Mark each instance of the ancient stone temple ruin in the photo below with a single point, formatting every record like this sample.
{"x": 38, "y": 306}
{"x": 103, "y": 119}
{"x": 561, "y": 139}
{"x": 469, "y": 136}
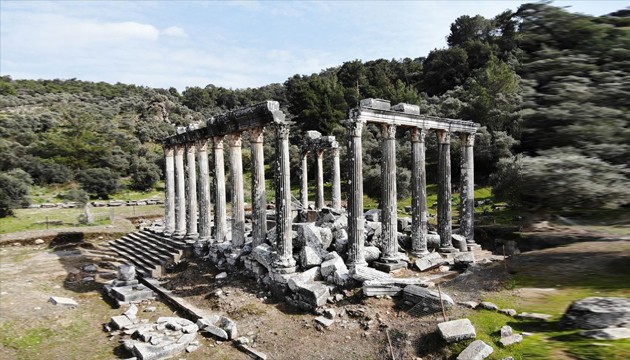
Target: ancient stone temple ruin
{"x": 303, "y": 258}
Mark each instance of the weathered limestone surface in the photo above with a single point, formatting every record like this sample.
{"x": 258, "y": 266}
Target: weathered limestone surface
{"x": 364, "y": 273}
{"x": 220, "y": 211}
{"x": 467, "y": 188}
{"x": 613, "y": 333}
{"x": 429, "y": 261}
{"x": 389, "y": 243}
{"x": 444, "y": 191}
{"x": 336, "y": 181}
{"x": 428, "y": 299}
{"x": 203, "y": 183}
{"x": 191, "y": 192}
{"x": 419, "y": 210}
{"x": 319, "y": 189}
{"x": 477, "y": 350}
{"x": 304, "y": 179}
{"x": 169, "y": 189}
{"x": 597, "y": 313}
{"x": 180, "y": 193}
{"x": 62, "y": 301}
{"x": 238, "y": 195}
{"x": 259, "y": 195}
{"x": 285, "y": 262}
{"x": 457, "y": 330}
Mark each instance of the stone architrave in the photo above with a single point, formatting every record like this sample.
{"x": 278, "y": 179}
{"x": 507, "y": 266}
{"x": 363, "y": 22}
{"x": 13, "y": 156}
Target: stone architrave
{"x": 259, "y": 196}
{"x": 388, "y": 198}
{"x": 418, "y": 194}
{"x": 284, "y": 262}
{"x": 356, "y": 222}
{"x": 444, "y": 191}
{"x": 191, "y": 187}
{"x": 238, "y": 196}
{"x": 180, "y": 193}
{"x": 319, "y": 191}
{"x": 336, "y": 182}
{"x": 203, "y": 183}
{"x": 220, "y": 217}
{"x": 467, "y": 189}
{"x": 304, "y": 180}
{"x": 169, "y": 191}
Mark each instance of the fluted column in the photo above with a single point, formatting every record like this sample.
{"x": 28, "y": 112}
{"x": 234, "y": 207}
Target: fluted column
{"x": 304, "y": 180}
{"x": 467, "y": 189}
{"x": 180, "y": 193}
{"x": 169, "y": 191}
{"x": 319, "y": 195}
{"x": 444, "y": 191}
{"x": 220, "y": 217}
{"x": 203, "y": 183}
{"x": 336, "y": 182}
{"x": 284, "y": 262}
{"x": 418, "y": 193}
{"x": 259, "y": 196}
{"x": 356, "y": 222}
{"x": 389, "y": 211}
{"x": 191, "y": 187}
{"x": 238, "y": 196}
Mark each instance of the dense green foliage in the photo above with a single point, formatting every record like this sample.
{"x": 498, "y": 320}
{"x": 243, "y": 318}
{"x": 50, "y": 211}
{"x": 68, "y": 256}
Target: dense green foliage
{"x": 550, "y": 89}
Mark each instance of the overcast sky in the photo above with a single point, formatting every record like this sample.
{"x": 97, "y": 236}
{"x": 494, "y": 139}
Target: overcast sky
{"x": 233, "y": 44}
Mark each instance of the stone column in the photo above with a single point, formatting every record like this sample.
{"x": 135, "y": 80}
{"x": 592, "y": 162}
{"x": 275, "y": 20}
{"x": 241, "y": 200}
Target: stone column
{"x": 180, "y": 193}
{"x": 203, "y": 183}
{"x": 467, "y": 189}
{"x": 220, "y": 222}
{"x": 191, "y": 187}
{"x": 238, "y": 197}
{"x": 418, "y": 194}
{"x": 259, "y": 195}
{"x": 319, "y": 194}
{"x": 169, "y": 191}
{"x": 356, "y": 222}
{"x": 389, "y": 211}
{"x": 336, "y": 182}
{"x": 444, "y": 191}
{"x": 304, "y": 180}
{"x": 284, "y": 262}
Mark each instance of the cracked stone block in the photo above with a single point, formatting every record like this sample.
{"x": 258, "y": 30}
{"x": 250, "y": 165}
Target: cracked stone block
{"x": 310, "y": 257}
{"x": 371, "y": 253}
{"x": 326, "y": 322}
{"x": 597, "y": 313}
{"x": 62, "y": 301}
{"x": 506, "y": 330}
{"x": 126, "y": 272}
{"x": 333, "y": 263}
{"x": 430, "y": 261}
{"x": 511, "y": 340}
{"x": 229, "y": 326}
{"x": 477, "y": 350}
{"x": 310, "y": 275}
{"x": 533, "y": 316}
{"x": 457, "y": 330}
{"x": 373, "y": 215}
{"x": 120, "y": 322}
{"x": 426, "y": 299}
{"x": 312, "y": 294}
{"x": 607, "y": 334}
{"x": 488, "y": 306}
{"x": 364, "y": 273}
{"x": 464, "y": 259}
{"x": 264, "y": 255}
{"x": 508, "y": 312}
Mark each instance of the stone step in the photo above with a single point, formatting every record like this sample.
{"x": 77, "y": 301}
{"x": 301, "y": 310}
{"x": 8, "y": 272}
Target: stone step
{"x": 174, "y": 253}
{"x": 159, "y": 249}
{"x": 144, "y": 250}
{"x": 150, "y": 268}
{"x": 176, "y": 243}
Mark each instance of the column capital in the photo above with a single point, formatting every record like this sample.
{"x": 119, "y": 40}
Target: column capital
{"x": 179, "y": 149}
{"x": 443, "y": 136}
{"x": 467, "y": 139}
{"x": 217, "y": 142}
{"x": 418, "y": 134}
{"x": 256, "y": 134}
{"x": 168, "y": 151}
{"x": 388, "y": 131}
{"x": 319, "y": 152}
{"x": 283, "y": 129}
{"x": 234, "y": 139}
{"x": 355, "y": 127}
{"x": 202, "y": 144}
{"x": 191, "y": 147}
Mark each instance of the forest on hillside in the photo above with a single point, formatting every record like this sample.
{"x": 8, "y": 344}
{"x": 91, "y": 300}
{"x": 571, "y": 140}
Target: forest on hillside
{"x": 550, "y": 88}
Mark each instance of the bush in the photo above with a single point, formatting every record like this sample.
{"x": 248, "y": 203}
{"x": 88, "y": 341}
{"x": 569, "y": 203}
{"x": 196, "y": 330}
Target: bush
{"x": 13, "y": 194}
{"x": 144, "y": 174}
{"x": 101, "y": 182}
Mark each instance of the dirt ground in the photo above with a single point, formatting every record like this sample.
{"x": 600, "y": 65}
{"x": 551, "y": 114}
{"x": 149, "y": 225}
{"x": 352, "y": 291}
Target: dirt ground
{"x": 365, "y": 328}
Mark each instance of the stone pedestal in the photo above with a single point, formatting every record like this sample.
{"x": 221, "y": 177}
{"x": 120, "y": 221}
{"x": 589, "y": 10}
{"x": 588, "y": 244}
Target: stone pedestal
{"x": 304, "y": 180}
{"x": 180, "y": 193}
{"x": 389, "y": 218}
{"x": 356, "y": 222}
{"x": 259, "y": 196}
{"x": 336, "y": 181}
{"x": 203, "y": 183}
{"x": 238, "y": 196}
{"x": 319, "y": 191}
{"x": 169, "y": 191}
{"x": 444, "y": 191}
{"x": 419, "y": 212}
{"x": 467, "y": 189}
{"x": 284, "y": 262}
{"x": 191, "y": 187}
{"x": 220, "y": 217}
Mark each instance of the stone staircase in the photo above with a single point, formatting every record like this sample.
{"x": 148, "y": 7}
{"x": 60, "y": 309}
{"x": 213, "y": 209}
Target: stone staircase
{"x": 149, "y": 252}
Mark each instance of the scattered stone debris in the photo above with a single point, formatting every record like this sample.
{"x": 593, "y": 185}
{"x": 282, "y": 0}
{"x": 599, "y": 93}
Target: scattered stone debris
{"x": 597, "y": 313}
{"x": 427, "y": 300}
{"x": 508, "y": 312}
{"x": 126, "y": 289}
{"x": 488, "y": 306}
{"x": 62, "y": 301}
{"x": 534, "y": 316}
{"x": 39, "y": 242}
{"x": 477, "y": 350}
{"x": 457, "y": 330}
{"x": 512, "y": 339}
{"x": 468, "y": 304}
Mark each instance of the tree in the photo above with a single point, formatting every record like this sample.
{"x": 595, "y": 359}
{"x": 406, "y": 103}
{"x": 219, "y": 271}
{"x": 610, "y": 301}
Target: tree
{"x": 13, "y": 194}
{"x": 144, "y": 174}
{"x": 101, "y": 182}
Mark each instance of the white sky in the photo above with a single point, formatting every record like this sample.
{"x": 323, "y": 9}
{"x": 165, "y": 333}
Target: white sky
{"x": 233, "y": 44}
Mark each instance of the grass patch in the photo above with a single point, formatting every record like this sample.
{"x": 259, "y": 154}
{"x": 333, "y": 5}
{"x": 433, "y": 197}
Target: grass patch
{"x": 249, "y": 309}
{"x": 25, "y": 341}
